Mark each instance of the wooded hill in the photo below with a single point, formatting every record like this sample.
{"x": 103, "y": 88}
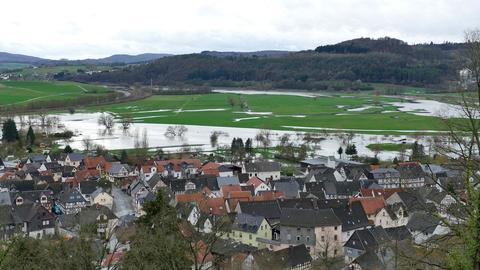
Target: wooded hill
{"x": 383, "y": 60}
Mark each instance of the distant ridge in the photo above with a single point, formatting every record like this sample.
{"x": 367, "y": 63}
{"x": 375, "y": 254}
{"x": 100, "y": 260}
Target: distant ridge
{"x": 246, "y": 54}
{"x": 20, "y": 58}
{"x": 117, "y": 58}
{"x": 126, "y": 58}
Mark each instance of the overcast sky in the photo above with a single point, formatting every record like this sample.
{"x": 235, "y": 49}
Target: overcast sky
{"x": 98, "y": 28}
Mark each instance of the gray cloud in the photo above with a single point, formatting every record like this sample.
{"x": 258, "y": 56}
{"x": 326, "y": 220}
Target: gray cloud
{"x": 57, "y": 29}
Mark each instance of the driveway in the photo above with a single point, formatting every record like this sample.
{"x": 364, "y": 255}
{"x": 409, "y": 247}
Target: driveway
{"x": 122, "y": 203}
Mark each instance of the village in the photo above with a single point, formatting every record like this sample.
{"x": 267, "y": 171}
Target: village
{"x": 335, "y": 211}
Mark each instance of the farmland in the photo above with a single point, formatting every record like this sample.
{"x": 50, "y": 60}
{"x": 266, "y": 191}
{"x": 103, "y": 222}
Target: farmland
{"x": 356, "y": 112}
{"x": 20, "y": 93}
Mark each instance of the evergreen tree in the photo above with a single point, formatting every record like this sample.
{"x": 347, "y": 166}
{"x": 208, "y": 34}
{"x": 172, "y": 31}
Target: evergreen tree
{"x": 30, "y": 136}
{"x": 418, "y": 153}
{"x": 351, "y": 150}
{"x": 68, "y": 149}
{"x": 9, "y": 131}
{"x": 124, "y": 157}
{"x": 340, "y": 151}
{"x": 249, "y": 146}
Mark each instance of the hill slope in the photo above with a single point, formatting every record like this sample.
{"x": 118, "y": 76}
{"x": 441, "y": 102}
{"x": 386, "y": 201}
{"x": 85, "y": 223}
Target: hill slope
{"x": 384, "y": 61}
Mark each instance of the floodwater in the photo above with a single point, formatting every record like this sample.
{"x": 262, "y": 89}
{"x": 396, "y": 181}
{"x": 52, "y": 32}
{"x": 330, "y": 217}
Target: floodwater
{"x": 85, "y": 125}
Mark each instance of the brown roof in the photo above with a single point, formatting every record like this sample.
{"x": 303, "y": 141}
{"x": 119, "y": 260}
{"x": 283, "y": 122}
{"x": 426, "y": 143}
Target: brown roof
{"x": 371, "y": 205}
{"x": 211, "y": 168}
{"x": 92, "y": 162}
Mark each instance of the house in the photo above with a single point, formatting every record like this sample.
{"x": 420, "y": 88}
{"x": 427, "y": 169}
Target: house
{"x": 118, "y": 171}
{"x": 72, "y": 201}
{"x": 38, "y": 159}
{"x": 371, "y": 205}
{"x": 423, "y": 226}
{"x": 268, "y": 209}
{"x": 386, "y": 177}
{"x": 178, "y": 168}
{"x": 320, "y": 161}
{"x": 411, "y": 175}
{"x": 73, "y": 159}
{"x": 156, "y": 183}
{"x": 391, "y": 215}
{"x": 353, "y": 218}
{"x": 258, "y": 185}
{"x": 290, "y": 188}
{"x": 290, "y": 258}
{"x": 100, "y": 216}
{"x": 211, "y": 168}
{"x": 319, "y": 230}
{"x": 41, "y": 197}
{"x": 100, "y": 197}
{"x": 33, "y": 220}
{"x": 247, "y": 229}
{"x": 374, "y": 260}
{"x": 87, "y": 188}
{"x": 227, "y": 181}
{"x": 265, "y": 170}
{"x": 364, "y": 240}
{"x": 410, "y": 200}
{"x": 147, "y": 172}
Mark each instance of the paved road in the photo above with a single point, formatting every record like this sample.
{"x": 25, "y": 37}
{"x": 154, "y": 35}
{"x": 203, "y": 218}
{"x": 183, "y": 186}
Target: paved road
{"x": 122, "y": 203}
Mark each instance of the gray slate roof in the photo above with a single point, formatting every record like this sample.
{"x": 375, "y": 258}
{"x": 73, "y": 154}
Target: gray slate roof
{"x": 262, "y": 166}
{"x": 309, "y": 218}
{"x": 228, "y": 180}
{"x": 248, "y": 223}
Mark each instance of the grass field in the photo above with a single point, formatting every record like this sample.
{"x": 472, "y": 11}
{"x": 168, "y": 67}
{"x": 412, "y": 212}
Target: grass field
{"x": 371, "y": 114}
{"x": 42, "y": 71}
{"x": 23, "y": 92}
{"x": 389, "y": 146}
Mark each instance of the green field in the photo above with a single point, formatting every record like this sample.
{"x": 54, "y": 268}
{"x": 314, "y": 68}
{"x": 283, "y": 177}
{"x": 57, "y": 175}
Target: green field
{"x": 23, "y": 92}
{"x": 278, "y": 112}
{"x": 46, "y": 70}
{"x": 389, "y": 146}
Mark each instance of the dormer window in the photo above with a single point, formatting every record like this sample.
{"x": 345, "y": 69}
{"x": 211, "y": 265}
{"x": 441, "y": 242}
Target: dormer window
{"x": 19, "y": 201}
{"x": 43, "y": 199}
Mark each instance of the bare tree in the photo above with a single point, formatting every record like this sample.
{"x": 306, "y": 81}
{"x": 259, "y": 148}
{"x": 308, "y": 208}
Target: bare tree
{"x": 460, "y": 248}
{"x": 87, "y": 144}
{"x": 106, "y": 120}
{"x": 126, "y": 122}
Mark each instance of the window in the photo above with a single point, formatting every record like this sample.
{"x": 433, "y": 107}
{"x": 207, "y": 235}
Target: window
{"x": 298, "y": 229}
{"x": 335, "y": 252}
{"x": 46, "y": 222}
{"x": 307, "y": 239}
{"x": 323, "y": 238}
{"x": 335, "y": 228}
{"x": 250, "y": 236}
{"x": 335, "y": 237}
{"x": 298, "y": 237}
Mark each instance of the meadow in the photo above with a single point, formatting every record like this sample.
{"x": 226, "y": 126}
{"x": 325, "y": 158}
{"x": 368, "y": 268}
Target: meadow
{"x": 356, "y": 112}
{"x": 23, "y": 92}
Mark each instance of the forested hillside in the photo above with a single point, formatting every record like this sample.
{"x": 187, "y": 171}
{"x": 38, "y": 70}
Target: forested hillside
{"x": 384, "y": 61}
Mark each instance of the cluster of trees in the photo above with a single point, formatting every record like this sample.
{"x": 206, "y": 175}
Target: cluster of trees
{"x": 385, "y": 61}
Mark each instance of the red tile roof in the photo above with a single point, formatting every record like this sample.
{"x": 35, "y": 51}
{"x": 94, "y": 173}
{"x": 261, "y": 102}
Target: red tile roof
{"x": 227, "y": 189}
{"x": 371, "y": 205}
{"x": 211, "y": 168}
{"x": 92, "y": 162}
{"x": 214, "y": 206}
{"x": 255, "y": 181}
{"x": 192, "y": 197}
